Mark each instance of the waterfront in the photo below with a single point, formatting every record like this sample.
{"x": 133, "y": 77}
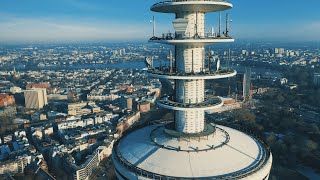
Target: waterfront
{"x": 140, "y": 65}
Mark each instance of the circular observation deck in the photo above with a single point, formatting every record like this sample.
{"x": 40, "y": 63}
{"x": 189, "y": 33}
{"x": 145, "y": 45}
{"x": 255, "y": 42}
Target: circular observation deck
{"x": 227, "y": 154}
{"x": 176, "y": 6}
{"x": 210, "y": 104}
{"x": 164, "y": 73}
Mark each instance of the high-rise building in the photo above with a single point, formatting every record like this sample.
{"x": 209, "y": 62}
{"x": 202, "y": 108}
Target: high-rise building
{"x": 281, "y": 51}
{"x": 122, "y": 52}
{"x": 126, "y": 102}
{"x": 35, "y": 98}
{"x": 188, "y": 147}
{"x": 316, "y": 79}
{"x": 247, "y": 84}
{"x": 244, "y": 84}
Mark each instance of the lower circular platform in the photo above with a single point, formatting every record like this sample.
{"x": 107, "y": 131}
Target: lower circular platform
{"x": 191, "y": 76}
{"x": 194, "y": 42}
{"x": 238, "y": 156}
{"x": 210, "y": 104}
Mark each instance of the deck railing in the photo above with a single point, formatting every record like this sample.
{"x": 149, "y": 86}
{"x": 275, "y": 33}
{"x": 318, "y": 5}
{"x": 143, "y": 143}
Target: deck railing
{"x": 165, "y": 70}
{"x": 206, "y": 103}
{"x": 189, "y": 36}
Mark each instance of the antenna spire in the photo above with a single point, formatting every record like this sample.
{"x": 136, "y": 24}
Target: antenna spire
{"x": 196, "y": 26}
{"x": 192, "y": 63}
{"x": 170, "y": 58}
{"x": 219, "y": 34}
{"x": 212, "y": 31}
{"x": 154, "y": 26}
{"x": 227, "y": 25}
{"x": 203, "y": 60}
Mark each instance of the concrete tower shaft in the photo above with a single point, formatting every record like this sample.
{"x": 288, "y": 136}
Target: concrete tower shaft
{"x": 189, "y": 41}
{"x": 189, "y": 122}
{"x": 190, "y": 59}
{"x": 196, "y": 22}
{"x": 190, "y": 91}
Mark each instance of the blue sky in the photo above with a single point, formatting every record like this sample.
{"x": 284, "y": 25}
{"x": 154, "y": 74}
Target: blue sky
{"x": 128, "y": 20}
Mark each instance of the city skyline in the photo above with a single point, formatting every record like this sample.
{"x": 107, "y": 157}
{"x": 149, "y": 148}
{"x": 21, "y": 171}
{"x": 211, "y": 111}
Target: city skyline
{"x": 284, "y": 88}
{"x": 78, "y": 21}
{"x": 159, "y": 89}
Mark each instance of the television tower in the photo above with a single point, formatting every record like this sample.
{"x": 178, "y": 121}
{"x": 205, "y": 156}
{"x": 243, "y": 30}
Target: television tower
{"x": 190, "y": 148}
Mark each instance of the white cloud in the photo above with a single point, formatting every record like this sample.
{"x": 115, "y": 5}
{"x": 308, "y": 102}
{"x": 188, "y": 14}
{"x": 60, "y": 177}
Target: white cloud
{"x": 42, "y": 29}
{"x": 312, "y": 30}
{"x": 14, "y": 29}
{"x": 308, "y": 31}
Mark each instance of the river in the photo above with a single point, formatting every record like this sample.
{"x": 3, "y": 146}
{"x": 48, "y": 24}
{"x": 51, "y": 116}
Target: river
{"x": 141, "y": 65}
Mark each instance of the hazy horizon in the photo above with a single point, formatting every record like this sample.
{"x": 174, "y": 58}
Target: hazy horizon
{"x": 37, "y": 21}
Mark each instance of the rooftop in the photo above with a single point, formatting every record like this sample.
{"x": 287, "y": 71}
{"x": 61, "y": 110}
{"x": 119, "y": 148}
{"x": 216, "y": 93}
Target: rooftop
{"x": 239, "y": 156}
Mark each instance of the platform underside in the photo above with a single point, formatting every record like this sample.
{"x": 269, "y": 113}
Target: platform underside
{"x": 194, "y": 42}
{"x": 177, "y": 76}
{"x": 192, "y": 6}
{"x": 213, "y": 103}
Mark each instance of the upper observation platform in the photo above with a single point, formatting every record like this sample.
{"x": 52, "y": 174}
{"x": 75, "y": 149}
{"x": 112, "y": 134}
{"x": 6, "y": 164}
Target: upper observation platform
{"x": 164, "y": 73}
{"x": 176, "y": 6}
{"x": 199, "y": 39}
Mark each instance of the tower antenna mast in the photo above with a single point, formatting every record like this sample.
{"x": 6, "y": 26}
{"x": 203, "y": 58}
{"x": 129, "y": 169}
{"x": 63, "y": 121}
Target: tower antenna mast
{"x": 171, "y": 59}
{"x": 219, "y": 34}
{"x": 154, "y": 26}
{"x": 227, "y": 25}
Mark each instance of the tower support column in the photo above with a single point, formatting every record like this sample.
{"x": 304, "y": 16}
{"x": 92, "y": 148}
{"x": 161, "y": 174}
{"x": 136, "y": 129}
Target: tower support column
{"x": 189, "y": 122}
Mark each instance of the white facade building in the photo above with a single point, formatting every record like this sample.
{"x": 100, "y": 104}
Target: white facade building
{"x": 15, "y": 166}
{"x": 35, "y": 98}
{"x": 15, "y": 90}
